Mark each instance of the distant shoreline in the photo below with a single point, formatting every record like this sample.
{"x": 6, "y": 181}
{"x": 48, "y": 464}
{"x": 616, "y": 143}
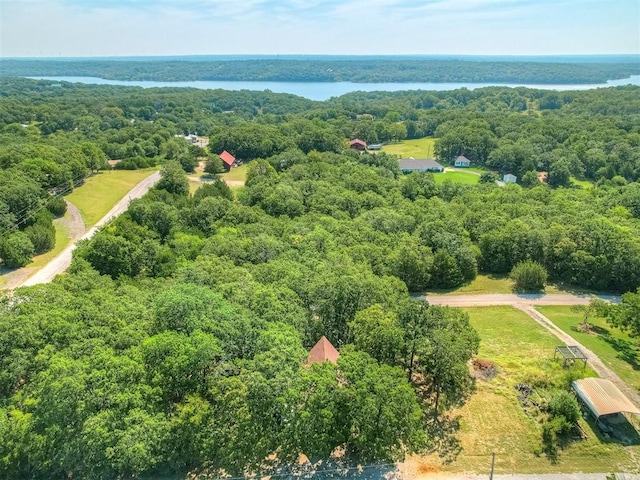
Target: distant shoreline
{"x": 321, "y": 91}
{"x": 569, "y": 58}
{"x": 334, "y": 69}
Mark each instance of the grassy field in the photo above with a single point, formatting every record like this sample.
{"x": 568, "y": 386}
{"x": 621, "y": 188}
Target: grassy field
{"x": 494, "y": 421}
{"x": 238, "y": 174}
{"x": 456, "y": 177}
{"x": 102, "y": 191}
{"x": 490, "y": 284}
{"x": 193, "y": 186}
{"x": 418, "y": 148}
{"x": 587, "y": 185}
{"x": 615, "y": 348}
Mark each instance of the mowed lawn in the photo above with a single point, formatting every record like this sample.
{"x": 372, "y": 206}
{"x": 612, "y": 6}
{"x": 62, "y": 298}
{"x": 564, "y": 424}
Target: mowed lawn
{"x": 102, "y": 191}
{"x": 237, "y": 174}
{"x": 493, "y": 419}
{"x": 417, "y": 148}
{"x": 615, "y": 348}
{"x": 490, "y": 283}
{"x": 456, "y": 177}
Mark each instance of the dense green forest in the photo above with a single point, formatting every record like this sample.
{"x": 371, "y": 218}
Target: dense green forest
{"x": 53, "y": 135}
{"x": 177, "y": 340}
{"x": 333, "y": 69}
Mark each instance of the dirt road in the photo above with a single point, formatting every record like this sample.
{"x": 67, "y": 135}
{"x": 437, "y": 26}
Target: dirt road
{"x": 490, "y": 299}
{"x": 62, "y": 261}
{"x": 526, "y": 303}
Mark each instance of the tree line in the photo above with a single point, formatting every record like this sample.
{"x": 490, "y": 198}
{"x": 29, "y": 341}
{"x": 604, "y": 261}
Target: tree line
{"x": 54, "y": 134}
{"x": 328, "y": 69}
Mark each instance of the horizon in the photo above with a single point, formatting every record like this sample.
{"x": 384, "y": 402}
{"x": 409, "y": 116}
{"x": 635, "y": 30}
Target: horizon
{"x": 168, "y": 28}
{"x": 293, "y": 56}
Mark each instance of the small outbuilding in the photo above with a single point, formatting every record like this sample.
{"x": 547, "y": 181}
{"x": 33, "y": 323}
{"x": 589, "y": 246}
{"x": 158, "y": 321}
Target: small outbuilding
{"x": 408, "y": 165}
{"x": 462, "y": 161}
{"x": 509, "y": 178}
{"x": 323, "y": 351}
{"x": 375, "y": 146}
{"x": 358, "y": 144}
{"x": 603, "y": 398}
{"x": 570, "y": 353}
{"x": 227, "y": 160}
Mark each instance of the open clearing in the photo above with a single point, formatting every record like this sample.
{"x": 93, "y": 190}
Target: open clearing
{"x": 614, "y": 347}
{"x": 102, "y": 191}
{"x": 493, "y": 420}
{"x": 493, "y": 283}
{"x": 582, "y": 183}
{"x": 237, "y": 174}
{"x": 456, "y": 177}
{"x": 416, "y": 148}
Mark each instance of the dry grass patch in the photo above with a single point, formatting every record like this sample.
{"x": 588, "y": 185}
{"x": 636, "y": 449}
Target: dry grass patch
{"x": 493, "y": 419}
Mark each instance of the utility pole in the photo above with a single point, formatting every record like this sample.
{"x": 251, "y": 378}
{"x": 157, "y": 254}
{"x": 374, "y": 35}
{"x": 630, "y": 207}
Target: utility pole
{"x": 493, "y": 462}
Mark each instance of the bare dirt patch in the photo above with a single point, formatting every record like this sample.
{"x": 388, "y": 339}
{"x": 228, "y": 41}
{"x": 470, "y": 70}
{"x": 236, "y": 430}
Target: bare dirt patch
{"x": 483, "y": 369}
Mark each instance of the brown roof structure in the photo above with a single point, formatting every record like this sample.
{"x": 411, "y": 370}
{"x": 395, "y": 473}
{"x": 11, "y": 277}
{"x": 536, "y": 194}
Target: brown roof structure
{"x": 227, "y": 158}
{"x": 323, "y": 351}
{"x": 358, "y": 144}
{"x": 602, "y": 397}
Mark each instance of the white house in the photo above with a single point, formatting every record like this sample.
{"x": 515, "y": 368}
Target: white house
{"x": 462, "y": 161}
{"x": 509, "y": 178}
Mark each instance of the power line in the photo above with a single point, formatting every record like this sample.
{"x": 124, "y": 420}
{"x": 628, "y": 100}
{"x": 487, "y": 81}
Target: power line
{"x": 60, "y": 189}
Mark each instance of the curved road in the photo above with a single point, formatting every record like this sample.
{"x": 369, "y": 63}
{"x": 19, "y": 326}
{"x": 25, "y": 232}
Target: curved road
{"x": 60, "y": 263}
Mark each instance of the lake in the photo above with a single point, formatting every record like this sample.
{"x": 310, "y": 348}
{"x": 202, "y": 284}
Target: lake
{"x": 325, "y": 90}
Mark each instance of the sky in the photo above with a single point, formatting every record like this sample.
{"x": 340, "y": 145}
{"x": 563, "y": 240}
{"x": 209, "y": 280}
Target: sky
{"x": 67, "y": 28}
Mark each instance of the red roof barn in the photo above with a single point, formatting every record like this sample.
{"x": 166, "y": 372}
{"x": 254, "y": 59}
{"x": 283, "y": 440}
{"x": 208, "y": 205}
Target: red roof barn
{"x": 227, "y": 159}
{"x": 323, "y": 351}
{"x": 358, "y": 144}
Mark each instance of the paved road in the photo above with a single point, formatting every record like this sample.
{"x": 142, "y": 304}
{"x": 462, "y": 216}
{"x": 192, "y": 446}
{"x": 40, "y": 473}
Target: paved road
{"x": 491, "y": 299}
{"x": 60, "y": 263}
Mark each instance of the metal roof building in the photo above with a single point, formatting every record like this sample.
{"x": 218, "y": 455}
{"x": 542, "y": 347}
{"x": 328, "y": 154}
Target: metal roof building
{"x": 408, "y": 165}
{"x": 602, "y": 397}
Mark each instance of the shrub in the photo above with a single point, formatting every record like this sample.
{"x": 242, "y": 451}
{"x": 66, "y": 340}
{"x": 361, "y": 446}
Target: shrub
{"x": 16, "y": 250}
{"x": 564, "y": 405}
{"x": 529, "y": 276}
{"x": 43, "y": 237}
{"x": 57, "y": 206}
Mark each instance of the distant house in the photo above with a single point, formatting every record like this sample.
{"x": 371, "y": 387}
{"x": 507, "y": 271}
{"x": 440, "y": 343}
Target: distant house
{"x": 408, "y": 165}
{"x": 462, "y": 161}
{"x": 375, "y": 146}
{"x": 358, "y": 144}
{"x": 509, "y": 178}
{"x": 323, "y": 351}
{"x": 227, "y": 160}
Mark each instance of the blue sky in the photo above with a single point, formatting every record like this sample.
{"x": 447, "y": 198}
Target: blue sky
{"x": 190, "y": 27}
